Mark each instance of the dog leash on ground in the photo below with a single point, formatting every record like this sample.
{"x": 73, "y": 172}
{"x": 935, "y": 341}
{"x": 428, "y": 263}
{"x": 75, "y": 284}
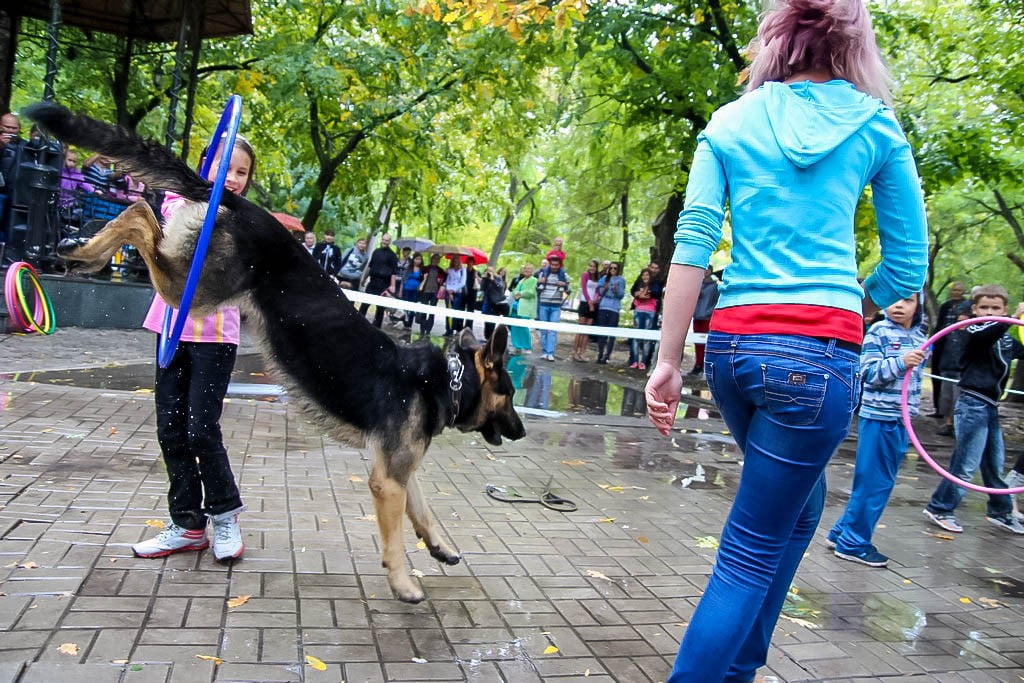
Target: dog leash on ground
{"x": 508, "y": 494}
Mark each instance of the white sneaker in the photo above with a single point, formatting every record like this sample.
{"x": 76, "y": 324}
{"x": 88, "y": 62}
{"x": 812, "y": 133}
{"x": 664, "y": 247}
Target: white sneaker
{"x": 227, "y": 536}
{"x": 1014, "y": 479}
{"x": 171, "y": 540}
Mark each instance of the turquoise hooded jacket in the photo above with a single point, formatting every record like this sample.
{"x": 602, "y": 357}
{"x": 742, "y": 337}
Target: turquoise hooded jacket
{"x": 792, "y": 160}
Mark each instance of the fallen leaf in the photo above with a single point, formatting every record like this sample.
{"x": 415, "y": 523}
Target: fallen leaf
{"x": 907, "y": 582}
{"x": 238, "y": 601}
{"x": 68, "y": 649}
{"x": 47, "y": 430}
{"x": 706, "y": 542}
{"x": 607, "y": 520}
{"x": 113, "y": 559}
{"x": 118, "y": 661}
{"x": 421, "y": 544}
{"x": 574, "y": 463}
{"x": 416, "y": 572}
{"x": 966, "y": 601}
{"x": 156, "y": 523}
{"x": 643, "y": 497}
{"x": 113, "y": 430}
{"x": 944, "y": 537}
{"x": 642, "y": 539}
{"x": 210, "y": 658}
{"x": 315, "y": 663}
{"x": 550, "y": 650}
{"x": 586, "y": 674}
{"x": 28, "y": 565}
{"x": 355, "y": 478}
{"x": 419, "y": 660}
{"x": 799, "y": 622}
{"x": 989, "y": 603}
{"x": 597, "y": 575}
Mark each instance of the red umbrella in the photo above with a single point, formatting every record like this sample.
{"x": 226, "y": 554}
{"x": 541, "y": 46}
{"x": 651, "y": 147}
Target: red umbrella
{"x": 290, "y": 222}
{"x": 479, "y": 256}
{"x": 464, "y": 252}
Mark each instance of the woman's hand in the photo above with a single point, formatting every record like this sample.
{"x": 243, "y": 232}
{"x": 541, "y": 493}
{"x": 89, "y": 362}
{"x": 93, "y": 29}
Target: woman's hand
{"x": 662, "y": 393}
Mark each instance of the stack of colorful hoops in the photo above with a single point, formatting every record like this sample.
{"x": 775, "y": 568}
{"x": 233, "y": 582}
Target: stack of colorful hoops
{"x": 37, "y": 317}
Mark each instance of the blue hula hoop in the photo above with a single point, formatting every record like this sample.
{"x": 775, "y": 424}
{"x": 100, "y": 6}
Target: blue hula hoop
{"x": 229, "y": 121}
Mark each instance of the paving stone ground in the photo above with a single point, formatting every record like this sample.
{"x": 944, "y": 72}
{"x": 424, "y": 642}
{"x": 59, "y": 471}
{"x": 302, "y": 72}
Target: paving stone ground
{"x": 611, "y": 586}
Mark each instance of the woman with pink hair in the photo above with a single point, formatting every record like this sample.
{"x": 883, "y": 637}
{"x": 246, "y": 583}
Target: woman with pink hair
{"x": 791, "y": 157}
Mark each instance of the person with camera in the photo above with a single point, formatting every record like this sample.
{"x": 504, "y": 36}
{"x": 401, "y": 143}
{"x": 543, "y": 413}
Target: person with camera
{"x": 10, "y": 140}
{"x": 495, "y": 296}
{"x": 552, "y": 290}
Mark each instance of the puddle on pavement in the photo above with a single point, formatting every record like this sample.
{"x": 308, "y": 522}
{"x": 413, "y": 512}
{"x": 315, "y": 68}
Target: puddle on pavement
{"x": 546, "y": 387}
{"x": 884, "y": 618}
{"x": 248, "y": 371}
{"x": 537, "y": 386}
{"x": 1007, "y": 587}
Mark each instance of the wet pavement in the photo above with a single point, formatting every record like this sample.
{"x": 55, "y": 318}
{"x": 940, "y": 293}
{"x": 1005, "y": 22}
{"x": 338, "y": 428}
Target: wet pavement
{"x": 600, "y": 594}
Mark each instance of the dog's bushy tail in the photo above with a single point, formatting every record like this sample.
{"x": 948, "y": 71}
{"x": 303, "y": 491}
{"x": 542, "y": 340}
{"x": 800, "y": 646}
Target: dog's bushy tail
{"x": 145, "y": 160}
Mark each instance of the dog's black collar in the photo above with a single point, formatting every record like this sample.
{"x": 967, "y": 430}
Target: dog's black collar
{"x": 455, "y": 372}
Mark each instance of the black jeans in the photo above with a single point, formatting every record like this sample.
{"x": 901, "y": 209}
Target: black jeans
{"x": 189, "y": 400}
{"x": 494, "y": 309}
{"x": 375, "y": 287}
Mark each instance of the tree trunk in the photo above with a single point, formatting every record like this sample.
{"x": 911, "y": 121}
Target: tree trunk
{"x": 510, "y": 214}
{"x": 624, "y": 226}
{"x": 664, "y": 229}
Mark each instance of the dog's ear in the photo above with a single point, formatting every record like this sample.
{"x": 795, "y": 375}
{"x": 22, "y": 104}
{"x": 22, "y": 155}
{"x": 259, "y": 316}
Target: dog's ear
{"x": 467, "y": 340}
{"x": 494, "y": 352}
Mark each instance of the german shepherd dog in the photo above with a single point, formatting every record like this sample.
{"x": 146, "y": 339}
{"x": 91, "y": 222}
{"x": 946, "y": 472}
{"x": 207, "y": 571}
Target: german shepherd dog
{"x": 358, "y": 384}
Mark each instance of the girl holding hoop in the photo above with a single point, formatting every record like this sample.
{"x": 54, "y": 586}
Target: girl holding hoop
{"x": 189, "y": 400}
{"x": 791, "y": 157}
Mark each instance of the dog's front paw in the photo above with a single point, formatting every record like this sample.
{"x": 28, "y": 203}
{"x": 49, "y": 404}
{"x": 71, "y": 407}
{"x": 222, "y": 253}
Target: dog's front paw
{"x": 442, "y": 553}
{"x": 67, "y": 247}
{"x": 405, "y": 589}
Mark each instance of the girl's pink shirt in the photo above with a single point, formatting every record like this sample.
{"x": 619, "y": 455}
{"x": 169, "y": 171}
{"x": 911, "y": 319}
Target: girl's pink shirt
{"x": 221, "y": 327}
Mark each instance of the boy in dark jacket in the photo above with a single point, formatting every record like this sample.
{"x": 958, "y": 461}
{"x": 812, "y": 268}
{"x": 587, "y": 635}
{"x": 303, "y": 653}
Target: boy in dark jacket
{"x": 988, "y": 351}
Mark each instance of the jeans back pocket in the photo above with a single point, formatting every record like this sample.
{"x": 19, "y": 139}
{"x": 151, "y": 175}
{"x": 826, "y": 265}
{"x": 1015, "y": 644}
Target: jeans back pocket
{"x": 794, "y": 394}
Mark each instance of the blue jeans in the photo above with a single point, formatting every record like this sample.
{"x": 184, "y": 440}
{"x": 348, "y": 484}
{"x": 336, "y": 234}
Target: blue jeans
{"x": 788, "y": 402}
{"x": 881, "y": 447}
{"x": 452, "y": 325}
{"x": 640, "y": 351}
{"x": 548, "y": 338}
{"x": 979, "y": 443}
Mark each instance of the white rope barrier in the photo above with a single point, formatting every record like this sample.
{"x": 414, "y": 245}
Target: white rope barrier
{"x": 567, "y": 328}
{"x": 957, "y": 381}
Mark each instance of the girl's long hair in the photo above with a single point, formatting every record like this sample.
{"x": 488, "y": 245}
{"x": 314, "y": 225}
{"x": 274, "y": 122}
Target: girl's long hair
{"x": 830, "y": 35}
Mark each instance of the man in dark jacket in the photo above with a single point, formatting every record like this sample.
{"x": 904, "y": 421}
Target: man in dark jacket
{"x": 380, "y": 276}
{"x": 943, "y": 319}
{"x": 328, "y": 254}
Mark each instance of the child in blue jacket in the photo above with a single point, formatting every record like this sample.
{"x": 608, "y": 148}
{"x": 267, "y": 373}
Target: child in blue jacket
{"x": 891, "y": 347}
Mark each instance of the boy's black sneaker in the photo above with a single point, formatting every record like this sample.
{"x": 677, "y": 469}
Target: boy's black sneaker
{"x": 1008, "y": 522}
{"x": 871, "y": 558}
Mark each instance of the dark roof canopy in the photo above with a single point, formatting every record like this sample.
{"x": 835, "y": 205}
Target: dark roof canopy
{"x": 156, "y": 20}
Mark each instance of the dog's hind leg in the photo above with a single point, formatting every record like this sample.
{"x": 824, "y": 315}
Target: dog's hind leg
{"x": 423, "y": 523}
{"x": 389, "y": 498}
{"x": 137, "y": 225}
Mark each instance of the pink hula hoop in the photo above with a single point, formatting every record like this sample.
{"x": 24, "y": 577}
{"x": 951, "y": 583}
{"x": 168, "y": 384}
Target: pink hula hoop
{"x": 905, "y": 408}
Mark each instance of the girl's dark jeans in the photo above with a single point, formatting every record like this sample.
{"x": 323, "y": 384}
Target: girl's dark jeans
{"x": 189, "y": 399}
